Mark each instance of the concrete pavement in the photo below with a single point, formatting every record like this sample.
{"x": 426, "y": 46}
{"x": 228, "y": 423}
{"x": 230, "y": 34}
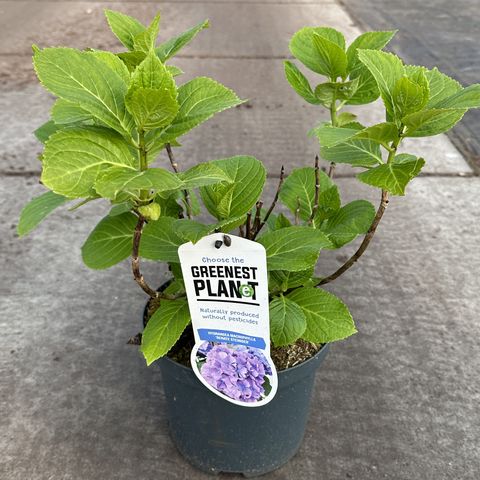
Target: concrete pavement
{"x": 399, "y": 400}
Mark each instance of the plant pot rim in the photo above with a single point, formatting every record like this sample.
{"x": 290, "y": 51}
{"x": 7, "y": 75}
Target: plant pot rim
{"x": 280, "y": 372}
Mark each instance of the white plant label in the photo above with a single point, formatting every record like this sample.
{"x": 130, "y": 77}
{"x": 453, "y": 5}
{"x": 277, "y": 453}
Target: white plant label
{"x": 227, "y": 289}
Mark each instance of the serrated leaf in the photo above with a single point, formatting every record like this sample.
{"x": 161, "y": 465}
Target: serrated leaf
{"x": 440, "y": 86}
{"x": 152, "y": 73}
{"x": 366, "y": 88}
{"x": 124, "y": 27}
{"x": 356, "y": 152}
{"x": 169, "y": 48}
{"x": 145, "y": 41}
{"x": 367, "y": 40}
{"x": 394, "y": 176}
{"x": 328, "y": 318}
{"x": 114, "y": 63}
{"x": 65, "y": 113}
{"x": 236, "y": 197}
{"x": 175, "y": 71}
{"x": 191, "y": 231}
{"x": 387, "y": 69}
{"x": 382, "y": 133}
{"x": 45, "y": 131}
{"x": 282, "y": 222}
{"x": 83, "y": 79}
{"x": 151, "y": 107}
{"x": 327, "y": 92}
{"x": 298, "y": 189}
{"x": 164, "y": 328}
{"x": 132, "y": 59}
{"x": 353, "y": 219}
{"x": 287, "y": 321}
{"x": 120, "y": 208}
{"x": 331, "y": 59}
{"x": 409, "y": 96}
{"x": 118, "y": 182}
{"x": 110, "y": 242}
{"x": 203, "y": 174}
{"x": 468, "y": 97}
{"x": 432, "y": 121}
{"x": 283, "y": 280}
{"x": 74, "y": 158}
{"x": 160, "y": 242}
{"x": 345, "y": 118}
{"x": 330, "y": 136}
{"x": 302, "y": 47}
{"x": 293, "y": 248}
{"x": 299, "y": 83}
{"x": 199, "y": 100}
{"x": 38, "y": 209}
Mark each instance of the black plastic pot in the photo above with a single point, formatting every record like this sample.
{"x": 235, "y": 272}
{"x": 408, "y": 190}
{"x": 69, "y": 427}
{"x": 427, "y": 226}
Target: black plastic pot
{"x": 217, "y": 436}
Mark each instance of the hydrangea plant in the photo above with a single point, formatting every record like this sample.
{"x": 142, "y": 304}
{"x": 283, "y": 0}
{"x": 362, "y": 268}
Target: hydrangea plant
{"x": 116, "y": 112}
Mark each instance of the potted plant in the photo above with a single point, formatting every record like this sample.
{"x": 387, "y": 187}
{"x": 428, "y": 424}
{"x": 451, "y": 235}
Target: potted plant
{"x": 115, "y": 112}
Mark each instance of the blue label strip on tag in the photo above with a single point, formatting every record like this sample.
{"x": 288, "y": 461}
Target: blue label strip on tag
{"x": 226, "y": 336}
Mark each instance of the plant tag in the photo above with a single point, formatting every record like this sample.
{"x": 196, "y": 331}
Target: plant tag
{"x": 227, "y": 289}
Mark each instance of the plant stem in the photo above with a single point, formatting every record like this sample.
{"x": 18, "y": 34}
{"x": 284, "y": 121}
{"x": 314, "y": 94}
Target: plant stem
{"x": 136, "y": 261}
{"x": 333, "y": 119}
{"x": 142, "y": 160}
{"x": 373, "y": 227}
{"x": 363, "y": 246}
{"x": 317, "y": 193}
{"x": 248, "y": 225}
{"x": 186, "y": 193}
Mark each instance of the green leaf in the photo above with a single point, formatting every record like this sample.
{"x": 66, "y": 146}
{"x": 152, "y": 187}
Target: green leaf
{"x": 328, "y": 319}
{"x": 298, "y": 189}
{"x": 101, "y": 92}
{"x": 287, "y": 321}
{"x": 393, "y": 176}
{"x": 236, "y": 197}
{"x": 358, "y": 153}
{"x": 199, "y": 100}
{"x": 282, "y": 222}
{"x": 387, "y": 69}
{"x": 160, "y": 241}
{"x": 440, "y": 86}
{"x": 146, "y": 40}
{"x": 351, "y": 220}
{"x": 370, "y": 41}
{"x": 284, "y": 280}
{"x": 345, "y": 118}
{"x": 191, "y": 231}
{"x": 203, "y": 174}
{"x": 169, "y": 48}
{"x": 329, "y": 91}
{"x": 110, "y": 242}
{"x": 366, "y": 88}
{"x": 432, "y": 121}
{"x": 164, "y": 328}
{"x": 114, "y": 63}
{"x": 152, "y": 73}
{"x": 45, "y": 131}
{"x": 175, "y": 71}
{"x": 132, "y": 59}
{"x": 382, "y": 133}
{"x": 293, "y": 248}
{"x": 302, "y": 47}
{"x": 151, "y": 108}
{"x": 409, "y": 96}
{"x": 330, "y": 136}
{"x": 124, "y": 27}
{"x": 120, "y": 208}
{"x": 65, "y": 113}
{"x": 331, "y": 59}
{"x": 468, "y": 97}
{"x": 299, "y": 83}
{"x": 37, "y": 209}
{"x": 119, "y": 180}
{"x": 74, "y": 158}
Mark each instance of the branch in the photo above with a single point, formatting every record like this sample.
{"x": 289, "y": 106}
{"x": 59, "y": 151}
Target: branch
{"x": 136, "y": 261}
{"x": 256, "y": 222}
{"x": 331, "y": 170}
{"x": 317, "y": 192}
{"x": 274, "y": 202}
{"x": 137, "y": 235}
{"x": 248, "y": 224}
{"x": 174, "y": 165}
{"x": 366, "y": 240}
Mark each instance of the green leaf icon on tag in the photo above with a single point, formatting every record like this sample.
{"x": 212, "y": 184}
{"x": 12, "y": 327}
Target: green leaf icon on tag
{"x": 246, "y": 290}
